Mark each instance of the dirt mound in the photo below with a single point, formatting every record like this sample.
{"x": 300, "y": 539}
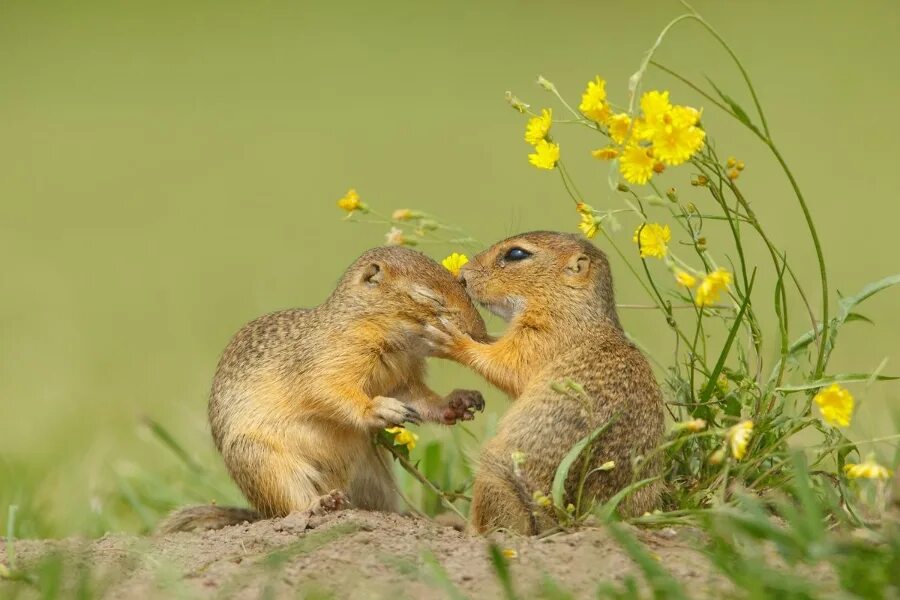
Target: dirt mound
{"x": 350, "y": 554}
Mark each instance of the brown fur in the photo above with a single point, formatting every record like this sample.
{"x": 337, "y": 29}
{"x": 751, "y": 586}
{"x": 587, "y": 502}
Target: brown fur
{"x": 563, "y": 326}
{"x": 298, "y": 394}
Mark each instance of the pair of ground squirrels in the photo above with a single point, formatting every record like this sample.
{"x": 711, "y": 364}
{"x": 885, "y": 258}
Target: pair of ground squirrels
{"x": 556, "y": 291}
{"x": 299, "y": 394}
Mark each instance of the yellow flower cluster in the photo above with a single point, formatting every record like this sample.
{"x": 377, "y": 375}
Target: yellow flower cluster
{"x": 652, "y": 239}
{"x": 351, "y": 202}
{"x": 711, "y": 287}
{"x": 589, "y": 225}
{"x": 868, "y": 469}
{"x": 836, "y": 405}
{"x": 403, "y": 437}
{"x": 455, "y": 262}
{"x": 546, "y": 153}
{"x": 738, "y": 438}
{"x": 664, "y": 134}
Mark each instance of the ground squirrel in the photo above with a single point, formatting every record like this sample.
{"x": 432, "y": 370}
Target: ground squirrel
{"x": 556, "y": 291}
{"x": 298, "y": 394}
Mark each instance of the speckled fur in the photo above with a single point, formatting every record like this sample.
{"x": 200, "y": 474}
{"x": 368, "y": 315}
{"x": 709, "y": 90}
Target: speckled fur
{"x": 563, "y": 325}
{"x": 298, "y": 394}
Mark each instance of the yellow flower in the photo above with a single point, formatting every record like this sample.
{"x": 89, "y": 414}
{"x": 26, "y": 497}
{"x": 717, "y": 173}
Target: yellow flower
{"x": 538, "y": 127}
{"x": 636, "y": 164}
{"x": 593, "y": 101}
{"x": 654, "y": 106}
{"x": 686, "y": 279}
{"x": 869, "y": 469}
{"x": 738, "y": 438}
{"x": 607, "y": 466}
{"x": 351, "y": 201}
{"x": 509, "y": 553}
{"x": 836, "y": 405}
{"x": 618, "y": 127}
{"x": 589, "y": 225}
{"x": 712, "y": 286}
{"x": 607, "y": 153}
{"x": 674, "y": 144}
{"x": 403, "y": 437}
{"x": 545, "y": 156}
{"x": 455, "y": 262}
{"x": 653, "y": 239}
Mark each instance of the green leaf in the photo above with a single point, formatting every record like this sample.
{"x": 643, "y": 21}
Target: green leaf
{"x": 839, "y": 378}
{"x": 661, "y": 582}
{"x": 606, "y": 510}
{"x": 739, "y": 113}
{"x": 501, "y": 568}
{"x": 562, "y": 471}
{"x": 868, "y": 291}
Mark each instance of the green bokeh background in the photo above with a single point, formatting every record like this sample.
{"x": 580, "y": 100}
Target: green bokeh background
{"x": 170, "y": 171}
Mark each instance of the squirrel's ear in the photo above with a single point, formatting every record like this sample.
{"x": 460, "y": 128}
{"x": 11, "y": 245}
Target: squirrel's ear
{"x": 578, "y": 265}
{"x": 372, "y": 274}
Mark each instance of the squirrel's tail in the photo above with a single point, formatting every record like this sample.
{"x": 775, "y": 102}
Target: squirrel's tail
{"x": 206, "y": 516}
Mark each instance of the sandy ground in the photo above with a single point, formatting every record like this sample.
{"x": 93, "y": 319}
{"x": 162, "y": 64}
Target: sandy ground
{"x": 352, "y": 554}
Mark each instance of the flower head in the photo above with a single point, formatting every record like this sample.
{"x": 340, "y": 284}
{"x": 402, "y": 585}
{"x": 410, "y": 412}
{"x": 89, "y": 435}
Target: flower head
{"x": 738, "y": 438}
{"x": 607, "y": 153}
{"x": 711, "y": 287}
{"x": 455, "y": 262}
{"x": 652, "y": 238}
{"x": 404, "y": 214}
{"x": 589, "y": 225}
{"x": 545, "y": 156}
{"x": 395, "y": 237}
{"x": 618, "y": 127}
{"x": 685, "y": 279}
{"x": 403, "y": 437}
{"x": 607, "y": 466}
{"x": 674, "y": 144}
{"x": 636, "y": 164}
{"x": 351, "y": 202}
{"x": 538, "y": 127}
{"x": 593, "y": 101}
{"x": 836, "y": 405}
{"x": 509, "y": 553}
{"x": 868, "y": 469}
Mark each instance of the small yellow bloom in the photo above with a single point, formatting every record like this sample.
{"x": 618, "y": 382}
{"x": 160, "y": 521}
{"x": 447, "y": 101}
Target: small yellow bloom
{"x": 395, "y": 237}
{"x": 350, "y": 201}
{"x": 607, "y": 153}
{"x": 869, "y": 469}
{"x": 712, "y": 286}
{"x": 607, "y": 466}
{"x": 836, "y": 405}
{"x": 636, "y": 164}
{"x": 538, "y": 127}
{"x": 674, "y": 145}
{"x": 403, "y": 214}
{"x": 655, "y": 105}
{"x": 455, "y": 262}
{"x": 716, "y": 457}
{"x": 694, "y": 425}
{"x": 618, "y": 127}
{"x": 653, "y": 238}
{"x": 509, "y": 553}
{"x": 738, "y": 438}
{"x": 593, "y": 101}
{"x": 589, "y": 225}
{"x": 545, "y": 156}
{"x": 685, "y": 279}
{"x": 403, "y": 437}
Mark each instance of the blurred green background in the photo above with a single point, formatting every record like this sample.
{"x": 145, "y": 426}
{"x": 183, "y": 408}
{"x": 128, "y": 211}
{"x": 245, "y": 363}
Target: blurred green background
{"x": 170, "y": 171}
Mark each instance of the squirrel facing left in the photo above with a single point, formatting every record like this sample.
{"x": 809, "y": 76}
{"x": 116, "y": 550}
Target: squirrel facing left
{"x": 299, "y": 394}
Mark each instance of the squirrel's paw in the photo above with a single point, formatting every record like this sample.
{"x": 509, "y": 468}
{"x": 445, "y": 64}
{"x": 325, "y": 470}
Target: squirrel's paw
{"x": 333, "y": 501}
{"x": 461, "y": 406}
{"x": 390, "y": 412}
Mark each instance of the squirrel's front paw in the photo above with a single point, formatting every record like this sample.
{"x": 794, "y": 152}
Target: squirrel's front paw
{"x": 461, "y": 406}
{"x": 390, "y": 412}
{"x": 443, "y": 339}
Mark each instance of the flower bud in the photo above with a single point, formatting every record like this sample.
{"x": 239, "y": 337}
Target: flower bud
{"x": 547, "y": 85}
{"x": 672, "y": 194}
{"x": 623, "y": 188}
{"x": 516, "y": 103}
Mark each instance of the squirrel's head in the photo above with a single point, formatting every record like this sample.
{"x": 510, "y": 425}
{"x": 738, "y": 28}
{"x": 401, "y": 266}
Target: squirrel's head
{"x": 541, "y": 276}
{"x": 398, "y": 281}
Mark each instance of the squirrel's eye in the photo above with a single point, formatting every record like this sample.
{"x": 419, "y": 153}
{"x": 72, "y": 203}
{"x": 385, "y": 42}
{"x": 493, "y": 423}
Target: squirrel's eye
{"x": 514, "y": 254}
